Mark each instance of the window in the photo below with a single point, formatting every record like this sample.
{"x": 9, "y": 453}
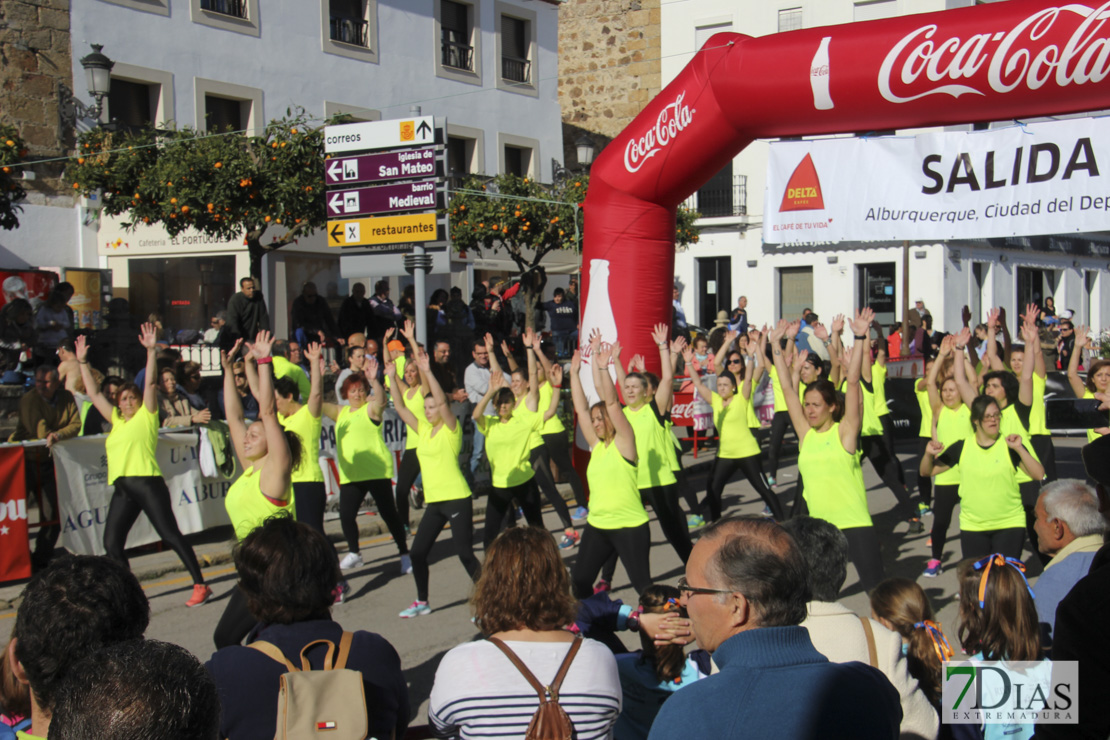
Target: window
{"x": 795, "y": 291}
{"x": 516, "y": 161}
{"x": 350, "y": 28}
{"x": 220, "y": 105}
{"x": 158, "y": 7}
{"x": 223, "y": 114}
{"x": 516, "y": 50}
{"x": 725, "y": 194}
{"x": 877, "y": 290}
{"x": 458, "y": 52}
{"x": 465, "y": 154}
{"x": 519, "y": 155}
{"x": 240, "y": 16}
{"x": 873, "y": 10}
{"x": 140, "y": 96}
{"x": 790, "y": 19}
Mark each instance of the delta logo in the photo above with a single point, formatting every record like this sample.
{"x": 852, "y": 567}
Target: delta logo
{"x": 803, "y": 191}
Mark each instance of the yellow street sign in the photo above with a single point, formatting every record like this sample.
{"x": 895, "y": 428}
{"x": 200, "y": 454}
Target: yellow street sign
{"x": 355, "y": 232}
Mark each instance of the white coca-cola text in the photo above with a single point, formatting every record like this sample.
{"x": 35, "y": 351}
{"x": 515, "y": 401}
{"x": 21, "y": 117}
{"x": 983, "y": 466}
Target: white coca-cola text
{"x": 672, "y": 119}
{"x": 1015, "y": 58}
{"x": 682, "y": 411}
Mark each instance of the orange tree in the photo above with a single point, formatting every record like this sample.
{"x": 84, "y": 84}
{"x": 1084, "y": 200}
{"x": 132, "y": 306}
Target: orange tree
{"x": 12, "y": 153}
{"x": 529, "y": 220}
{"x": 267, "y": 189}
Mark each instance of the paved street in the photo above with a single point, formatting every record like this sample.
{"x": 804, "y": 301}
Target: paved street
{"x": 378, "y": 591}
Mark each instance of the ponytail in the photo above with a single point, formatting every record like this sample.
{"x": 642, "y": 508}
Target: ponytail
{"x": 668, "y": 660}
{"x": 296, "y": 449}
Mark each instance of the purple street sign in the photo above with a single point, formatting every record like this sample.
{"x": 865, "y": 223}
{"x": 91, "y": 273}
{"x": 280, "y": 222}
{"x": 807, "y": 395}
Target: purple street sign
{"x": 407, "y": 164}
{"x": 405, "y": 196}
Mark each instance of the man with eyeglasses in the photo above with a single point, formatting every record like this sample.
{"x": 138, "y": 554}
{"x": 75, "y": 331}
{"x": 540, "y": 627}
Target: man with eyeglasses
{"x": 745, "y": 591}
{"x": 476, "y": 383}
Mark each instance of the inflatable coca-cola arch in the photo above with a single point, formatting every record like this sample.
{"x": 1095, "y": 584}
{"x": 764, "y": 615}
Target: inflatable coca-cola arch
{"x": 985, "y": 63}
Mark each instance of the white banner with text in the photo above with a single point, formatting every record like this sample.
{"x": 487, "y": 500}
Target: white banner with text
{"x": 1042, "y": 178}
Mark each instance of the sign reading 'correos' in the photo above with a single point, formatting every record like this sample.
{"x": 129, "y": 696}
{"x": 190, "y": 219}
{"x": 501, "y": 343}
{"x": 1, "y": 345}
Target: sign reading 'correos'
{"x": 357, "y": 137}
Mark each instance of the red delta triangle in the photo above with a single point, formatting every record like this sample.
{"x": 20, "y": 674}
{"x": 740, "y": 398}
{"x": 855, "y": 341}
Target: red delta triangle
{"x": 803, "y": 192}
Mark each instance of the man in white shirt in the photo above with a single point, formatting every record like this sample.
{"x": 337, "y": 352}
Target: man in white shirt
{"x": 476, "y": 383}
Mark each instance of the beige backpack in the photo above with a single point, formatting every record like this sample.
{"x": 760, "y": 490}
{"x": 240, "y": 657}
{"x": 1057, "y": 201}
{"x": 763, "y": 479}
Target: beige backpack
{"x": 327, "y": 703}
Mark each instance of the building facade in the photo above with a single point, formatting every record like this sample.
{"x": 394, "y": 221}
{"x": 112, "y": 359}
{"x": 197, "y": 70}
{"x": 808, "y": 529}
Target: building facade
{"x": 731, "y": 259}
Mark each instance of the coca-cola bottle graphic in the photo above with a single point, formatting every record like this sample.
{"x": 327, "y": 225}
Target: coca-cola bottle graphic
{"x": 819, "y": 76}
{"x": 598, "y": 315}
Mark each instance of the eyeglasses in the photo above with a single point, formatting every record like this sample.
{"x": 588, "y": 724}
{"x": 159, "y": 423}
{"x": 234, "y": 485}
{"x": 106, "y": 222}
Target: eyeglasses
{"x": 240, "y": 375}
{"x": 735, "y": 361}
{"x": 991, "y": 417}
{"x": 686, "y": 588}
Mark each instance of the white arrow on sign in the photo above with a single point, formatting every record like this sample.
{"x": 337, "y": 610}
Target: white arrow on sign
{"x": 335, "y": 168}
{"x": 336, "y": 203}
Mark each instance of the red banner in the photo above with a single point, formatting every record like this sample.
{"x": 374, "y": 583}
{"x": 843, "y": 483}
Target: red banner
{"x": 15, "y": 551}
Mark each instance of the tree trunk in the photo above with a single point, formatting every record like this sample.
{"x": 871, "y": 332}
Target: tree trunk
{"x": 256, "y": 251}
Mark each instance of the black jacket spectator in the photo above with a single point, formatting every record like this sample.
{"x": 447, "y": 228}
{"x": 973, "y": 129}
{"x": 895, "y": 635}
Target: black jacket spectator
{"x": 310, "y": 314}
{"x": 247, "y": 314}
{"x": 354, "y": 313}
{"x": 384, "y": 314}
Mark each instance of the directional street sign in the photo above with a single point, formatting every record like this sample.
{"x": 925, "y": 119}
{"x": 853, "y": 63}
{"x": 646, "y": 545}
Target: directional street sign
{"x": 412, "y": 227}
{"x": 357, "y": 137}
{"x": 405, "y": 196}
{"x": 402, "y": 165}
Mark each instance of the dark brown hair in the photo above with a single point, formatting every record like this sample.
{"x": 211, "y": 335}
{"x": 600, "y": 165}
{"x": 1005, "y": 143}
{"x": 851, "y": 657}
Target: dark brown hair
{"x": 524, "y": 584}
{"x": 15, "y": 697}
{"x": 829, "y": 394}
{"x": 1094, "y": 368}
{"x": 904, "y": 604}
{"x": 131, "y": 387}
{"x": 1006, "y": 626}
{"x": 668, "y": 660}
{"x": 287, "y": 571}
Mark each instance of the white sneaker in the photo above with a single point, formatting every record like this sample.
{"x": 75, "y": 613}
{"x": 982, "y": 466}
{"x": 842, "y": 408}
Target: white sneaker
{"x": 406, "y": 564}
{"x": 350, "y": 560}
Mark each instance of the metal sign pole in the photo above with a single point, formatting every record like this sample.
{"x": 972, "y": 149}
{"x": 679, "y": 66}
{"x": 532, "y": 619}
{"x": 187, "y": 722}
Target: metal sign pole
{"x": 420, "y": 300}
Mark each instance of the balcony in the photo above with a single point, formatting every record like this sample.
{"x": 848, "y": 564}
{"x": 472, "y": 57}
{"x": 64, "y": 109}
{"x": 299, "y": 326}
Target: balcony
{"x": 515, "y": 69}
{"x": 717, "y": 201}
{"x": 458, "y": 56}
{"x": 352, "y": 31}
{"x": 233, "y": 8}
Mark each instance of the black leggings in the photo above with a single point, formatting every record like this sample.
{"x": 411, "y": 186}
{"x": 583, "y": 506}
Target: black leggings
{"x": 885, "y": 464}
{"x": 800, "y": 507}
{"x": 541, "y": 463}
{"x": 236, "y": 621}
{"x": 406, "y": 476}
{"x": 459, "y": 513}
{"x": 779, "y": 422}
{"x": 753, "y": 471}
{"x": 312, "y": 497}
{"x": 687, "y": 490}
{"x": 980, "y": 544}
{"x": 863, "y": 551}
{"x": 145, "y": 494}
{"x": 558, "y": 449}
{"x": 664, "y": 501}
{"x": 1046, "y": 453}
{"x": 944, "y": 503}
{"x": 350, "y": 499}
{"x": 631, "y": 545}
{"x": 888, "y": 440}
{"x": 924, "y": 482}
{"x": 500, "y": 502}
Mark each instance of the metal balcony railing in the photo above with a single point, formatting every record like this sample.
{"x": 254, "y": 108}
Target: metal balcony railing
{"x": 515, "y": 69}
{"x": 714, "y": 201}
{"x": 457, "y": 55}
{"x": 352, "y": 31}
{"x": 234, "y": 8}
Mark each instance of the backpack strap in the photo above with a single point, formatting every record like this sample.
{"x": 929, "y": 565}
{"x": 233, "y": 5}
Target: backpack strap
{"x": 872, "y": 653}
{"x": 546, "y": 693}
{"x": 271, "y": 651}
{"x": 344, "y": 650}
{"x": 558, "y": 682}
{"x": 306, "y": 666}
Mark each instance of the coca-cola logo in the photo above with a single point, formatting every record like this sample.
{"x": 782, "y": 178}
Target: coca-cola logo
{"x": 1018, "y": 57}
{"x": 671, "y": 121}
{"x": 682, "y": 410}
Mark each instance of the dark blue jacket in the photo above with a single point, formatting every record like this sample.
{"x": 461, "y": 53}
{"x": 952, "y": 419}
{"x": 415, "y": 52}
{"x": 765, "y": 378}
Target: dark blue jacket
{"x": 774, "y": 684}
{"x": 563, "y": 317}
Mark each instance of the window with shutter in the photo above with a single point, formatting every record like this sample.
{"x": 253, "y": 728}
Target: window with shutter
{"x": 514, "y": 49}
{"x": 454, "y": 21}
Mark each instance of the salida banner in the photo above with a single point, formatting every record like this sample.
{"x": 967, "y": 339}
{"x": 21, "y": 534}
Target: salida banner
{"x": 1044, "y": 178}
{"x": 15, "y": 554}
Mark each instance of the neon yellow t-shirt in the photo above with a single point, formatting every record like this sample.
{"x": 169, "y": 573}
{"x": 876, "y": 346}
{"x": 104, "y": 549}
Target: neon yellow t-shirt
{"x": 415, "y": 404}
{"x": 1036, "y": 411}
{"x": 926, "y": 429}
{"x": 284, "y": 368}
{"x": 248, "y": 507}
{"x": 534, "y": 438}
{"x": 1092, "y": 435}
{"x": 878, "y": 382}
{"x": 652, "y": 467}
{"x": 614, "y": 493}
{"x": 1011, "y": 424}
{"x": 362, "y": 452}
{"x": 554, "y": 425}
{"x": 989, "y": 495}
{"x": 307, "y": 428}
{"x": 776, "y": 386}
{"x": 675, "y": 448}
{"x": 131, "y": 445}
{"x": 439, "y": 463}
{"x": 835, "y": 490}
{"x": 508, "y": 446}
{"x": 732, "y": 424}
{"x": 952, "y": 426}
{"x": 870, "y": 425}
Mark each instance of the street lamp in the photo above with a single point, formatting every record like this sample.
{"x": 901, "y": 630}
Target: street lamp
{"x": 98, "y": 75}
{"x": 585, "y": 150}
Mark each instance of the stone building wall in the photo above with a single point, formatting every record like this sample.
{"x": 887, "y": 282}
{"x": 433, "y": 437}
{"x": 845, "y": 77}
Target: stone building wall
{"x": 609, "y": 66}
{"x": 35, "y": 74}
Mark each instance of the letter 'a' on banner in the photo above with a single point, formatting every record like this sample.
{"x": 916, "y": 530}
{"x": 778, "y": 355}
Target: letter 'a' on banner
{"x": 15, "y": 550}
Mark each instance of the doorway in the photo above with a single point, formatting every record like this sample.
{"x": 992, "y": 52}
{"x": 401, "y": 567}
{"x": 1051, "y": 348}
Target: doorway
{"x": 714, "y": 288}
{"x": 876, "y": 290}
{"x": 795, "y": 291}
{"x": 1033, "y": 286}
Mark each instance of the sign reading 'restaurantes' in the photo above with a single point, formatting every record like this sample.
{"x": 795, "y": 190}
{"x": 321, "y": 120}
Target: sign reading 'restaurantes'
{"x": 1045, "y": 178}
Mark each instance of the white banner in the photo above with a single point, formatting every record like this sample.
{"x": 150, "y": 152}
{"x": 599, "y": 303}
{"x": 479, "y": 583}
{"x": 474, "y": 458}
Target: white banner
{"x": 1043, "y": 178}
{"x": 84, "y": 494}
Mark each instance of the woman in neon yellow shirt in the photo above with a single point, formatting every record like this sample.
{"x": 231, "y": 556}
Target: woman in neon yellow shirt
{"x": 617, "y": 521}
{"x": 446, "y": 493}
{"x": 414, "y": 389}
{"x": 992, "y": 518}
{"x": 738, "y": 449}
{"x": 268, "y": 454}
{"x": 508, "y": 446}
{"x": 133, "y": 471}
{"x": 828, "y": 432}
{"x": 1098, "y": 377}
{"x": 306, "y": 421}
{"x": 365, "y": 463}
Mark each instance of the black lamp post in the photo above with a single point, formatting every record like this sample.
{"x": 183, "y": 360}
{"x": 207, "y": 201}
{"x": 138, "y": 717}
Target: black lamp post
{"x": 585, "y": 150}
{"x": 98, "y": 75}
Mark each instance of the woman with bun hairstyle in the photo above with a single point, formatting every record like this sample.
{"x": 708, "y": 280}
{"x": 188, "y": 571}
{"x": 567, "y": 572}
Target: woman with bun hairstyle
{"x": 901, "y": 606}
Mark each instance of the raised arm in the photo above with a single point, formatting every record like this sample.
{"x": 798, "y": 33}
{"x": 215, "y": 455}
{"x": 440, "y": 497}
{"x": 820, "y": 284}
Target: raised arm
{"x": 532, "y": 402}
{"x": 946, "y": 346}
{"x": 581, "y": 406}
{"x": 275, "y": 478}
{"x": 993, "y": 361}
{"x": 959, "y": 372}
{"x": 1031, "y": 337}
{"x": 754, "y": 373}
{"x": 496, "y": 383}
{"x": 665, "y": 392}
{"x": 314, "y": 355}
{"x": 375, "y": 405}
{"x": 1076, "y": 383}
{"x": 399, "y": 399}
{"x": 544, "y": 363}
{"x": 233, "y": 405}
{"x": 793, "y": 405}
{"x": 494, "y": 365}
{"x": 836, "y": 350}
{"x": 509, "y": 359}
{"x": 699, "y": 385}
{"x": 851, "y": 421}
{"x": 92, "y": 388}
{"x": 722, "y": 353}
{"x": 555, "y": 378}
{"x": 929, "y": 466}
{"x": 615, "y": 347}
{"x": 1028, "y": 463}
{"x": 625, "y": 437}
{"x": 442, "y": 408}
{"x": 149, "y": 339}
{"x": 409, "y": 332}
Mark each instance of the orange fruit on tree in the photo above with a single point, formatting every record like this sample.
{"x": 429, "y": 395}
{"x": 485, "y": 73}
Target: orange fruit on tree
{"x": 184, "y": 209}
{"x": 76, "y": 186}
{"x": 292, "y": 130}
{"x": 9, "y": 142}
{"x": 267, "y": 219}
{"x": 7, "y": 170}
{"x": 80, "y": 160}
{"x": 173, "y": 200}
{"x": 218, "y": 165}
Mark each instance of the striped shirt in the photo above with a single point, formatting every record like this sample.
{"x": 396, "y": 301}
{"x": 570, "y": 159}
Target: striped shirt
{"x": 478, "y": 693}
